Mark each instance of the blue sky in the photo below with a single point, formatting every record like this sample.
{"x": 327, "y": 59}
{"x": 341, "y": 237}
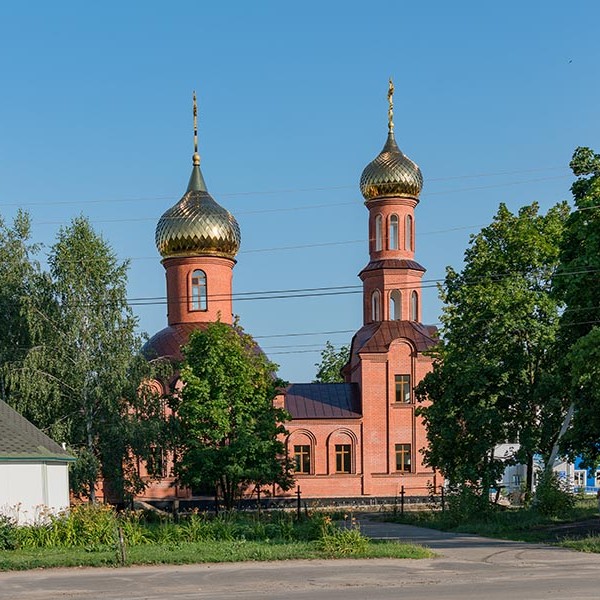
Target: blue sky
{"x": 95, "y": 119}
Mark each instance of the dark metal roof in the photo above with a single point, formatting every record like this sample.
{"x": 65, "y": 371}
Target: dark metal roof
{"x": 377, "y": 337}
{"x": 20, "y": 439}
{"x": 323, "y": 401}
{"x": 167, "y": 342}
{"x": 393, "y": 263}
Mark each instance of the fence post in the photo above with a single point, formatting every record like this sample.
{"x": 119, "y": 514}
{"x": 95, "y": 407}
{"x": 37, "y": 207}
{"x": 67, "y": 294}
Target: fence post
{"x": 122, "y": 552}
{"x": 299, "y": 507}
{"x": 402, "y": 501}
{"x": 258, "y": 499}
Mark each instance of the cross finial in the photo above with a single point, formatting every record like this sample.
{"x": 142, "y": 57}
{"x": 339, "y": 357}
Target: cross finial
{"x": 390, "y": 96}
{"x": 196, "y": 157}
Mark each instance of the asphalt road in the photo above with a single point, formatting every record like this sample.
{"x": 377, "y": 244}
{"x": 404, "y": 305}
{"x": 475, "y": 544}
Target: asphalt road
{"x": 468, "y": 567}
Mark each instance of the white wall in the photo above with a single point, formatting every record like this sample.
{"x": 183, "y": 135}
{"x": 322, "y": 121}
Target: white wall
{"x": 29, "y": 489}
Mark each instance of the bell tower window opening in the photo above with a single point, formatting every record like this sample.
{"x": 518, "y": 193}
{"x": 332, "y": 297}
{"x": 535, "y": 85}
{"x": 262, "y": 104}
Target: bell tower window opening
{"x": 414, "y": 306}
{"x": 378, "y": 233}
{"x": 376, "y": 306}
{"x": 395, "y": 306}
{"x": 393, "y": 233}
{"x": 408, "y": 238}
{"x": 198, "y": 295}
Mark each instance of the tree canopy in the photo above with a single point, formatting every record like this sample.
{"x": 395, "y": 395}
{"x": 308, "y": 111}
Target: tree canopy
{"x": 332, "y": 361}
{"x": 492, "y": 379}
{"x": 231, "y": 433}
{"x": 18, "y": 272}
{"x": 577, "y": 285}
{"x": 82, "y": 378}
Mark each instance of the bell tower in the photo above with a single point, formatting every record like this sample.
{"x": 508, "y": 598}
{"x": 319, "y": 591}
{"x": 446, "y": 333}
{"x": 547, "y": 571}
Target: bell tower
{"x": 391, "y": 185}
{"x": 198, "y": 240}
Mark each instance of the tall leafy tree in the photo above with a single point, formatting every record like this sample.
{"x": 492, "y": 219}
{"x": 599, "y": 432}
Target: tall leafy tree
{"x": 231, "y": 433}
{"x": 18, "y": 271}
{"x": 332, "y": 361}
{"x": 82, "y": 379}
{"x": 493, "y": 376}
{"x": 577, "y": 284}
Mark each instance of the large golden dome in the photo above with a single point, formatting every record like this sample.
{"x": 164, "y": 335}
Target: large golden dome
{"x": 391, "y": 174}
{"x": 197, "y": 225}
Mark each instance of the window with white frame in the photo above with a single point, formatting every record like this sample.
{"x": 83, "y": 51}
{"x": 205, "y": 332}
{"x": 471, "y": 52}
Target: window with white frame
{"x": 198, "y": 289}
{"x": 579, "y": 477}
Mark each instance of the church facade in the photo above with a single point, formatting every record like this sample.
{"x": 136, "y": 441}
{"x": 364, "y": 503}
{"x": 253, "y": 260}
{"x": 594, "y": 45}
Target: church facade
{"x": 360, "y": 438}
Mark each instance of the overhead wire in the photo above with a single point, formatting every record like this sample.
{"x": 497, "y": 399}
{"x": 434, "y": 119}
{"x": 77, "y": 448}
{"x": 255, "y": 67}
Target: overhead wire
{"x": 80, "y": 202}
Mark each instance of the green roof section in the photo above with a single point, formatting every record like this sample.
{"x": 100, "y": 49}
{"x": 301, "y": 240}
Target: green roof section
{"x": 22, "y": 440}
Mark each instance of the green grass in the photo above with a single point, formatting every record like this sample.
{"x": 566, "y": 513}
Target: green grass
{"x": 201, "y": 552}
{"x": 88, "y": 536}
{"x": 520, "y": 524}
{"x": 587, "y": 544}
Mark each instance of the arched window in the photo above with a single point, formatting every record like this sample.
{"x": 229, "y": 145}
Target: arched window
{"x": 414, "y": 307}
{"x": 393, "y": 233}
{"x": 395, "y": 306}
{"x": 408, "y": 238}
{"x": 376, "y": 306}
{"x": 378, "y": 233}
{"x": 198, "y": 295}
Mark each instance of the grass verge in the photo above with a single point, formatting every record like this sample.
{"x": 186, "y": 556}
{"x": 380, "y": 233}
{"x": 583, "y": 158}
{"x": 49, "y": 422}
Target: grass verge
{"x": 201, "y": 552}
{"x": 519, "y": 524}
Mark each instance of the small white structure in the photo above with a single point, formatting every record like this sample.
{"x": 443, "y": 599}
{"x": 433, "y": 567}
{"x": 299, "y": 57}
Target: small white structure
{"x": 34, "y": 475}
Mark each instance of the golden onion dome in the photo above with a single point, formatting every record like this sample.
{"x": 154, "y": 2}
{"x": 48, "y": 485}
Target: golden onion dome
{"x": 391, "y": 174}
{"x": 197, "y": 225}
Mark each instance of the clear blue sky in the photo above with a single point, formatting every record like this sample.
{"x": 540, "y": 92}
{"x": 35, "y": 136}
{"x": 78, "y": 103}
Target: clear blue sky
{"x": 95, "y": 119}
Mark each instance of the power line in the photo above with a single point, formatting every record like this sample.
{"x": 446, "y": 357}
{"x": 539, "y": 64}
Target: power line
{"x": 271, "y": 192}
{"x": 318, "y": 206}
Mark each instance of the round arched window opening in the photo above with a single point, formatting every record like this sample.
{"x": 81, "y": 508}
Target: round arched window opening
{"x": 408, "y": 238}
{"x": 414, "y": 307}
{"x": 376, "y": 306}
{"x": 395, "y": 306}
{"x": 198, "y": 291}
{"x": 393, "y": 233}
{"x": 378, "y": 233}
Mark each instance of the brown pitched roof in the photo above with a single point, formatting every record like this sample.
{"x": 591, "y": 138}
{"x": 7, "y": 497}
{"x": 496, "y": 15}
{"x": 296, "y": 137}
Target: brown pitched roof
{"x": 323, "y": 401}
{"x": 20, "y": 439}
{"x": 377, "y": 337}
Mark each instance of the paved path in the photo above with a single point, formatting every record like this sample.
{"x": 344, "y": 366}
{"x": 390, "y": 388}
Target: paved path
{"x": 467, "y": 568}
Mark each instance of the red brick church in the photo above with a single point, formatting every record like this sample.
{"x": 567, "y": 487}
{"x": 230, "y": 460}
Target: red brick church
{"x": 360, "y": 438}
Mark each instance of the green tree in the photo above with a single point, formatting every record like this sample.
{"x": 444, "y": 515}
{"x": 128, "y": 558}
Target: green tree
{"x": 231, "y": 433}
{"x": 18, "y": 271}
{"x": 83, "y": 378}
{"x": 576, "y": 284}
{"x": 493, "y": 375}
{"x": 332, "y": 361}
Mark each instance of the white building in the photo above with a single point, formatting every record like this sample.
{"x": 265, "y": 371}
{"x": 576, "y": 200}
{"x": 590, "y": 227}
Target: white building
{"x": 34, "y": 475}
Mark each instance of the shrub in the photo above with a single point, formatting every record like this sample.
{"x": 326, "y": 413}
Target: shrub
{"x": 552, "y": 496}
{"x": 8, "y": 534}
{"x": 345, "y": 541}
